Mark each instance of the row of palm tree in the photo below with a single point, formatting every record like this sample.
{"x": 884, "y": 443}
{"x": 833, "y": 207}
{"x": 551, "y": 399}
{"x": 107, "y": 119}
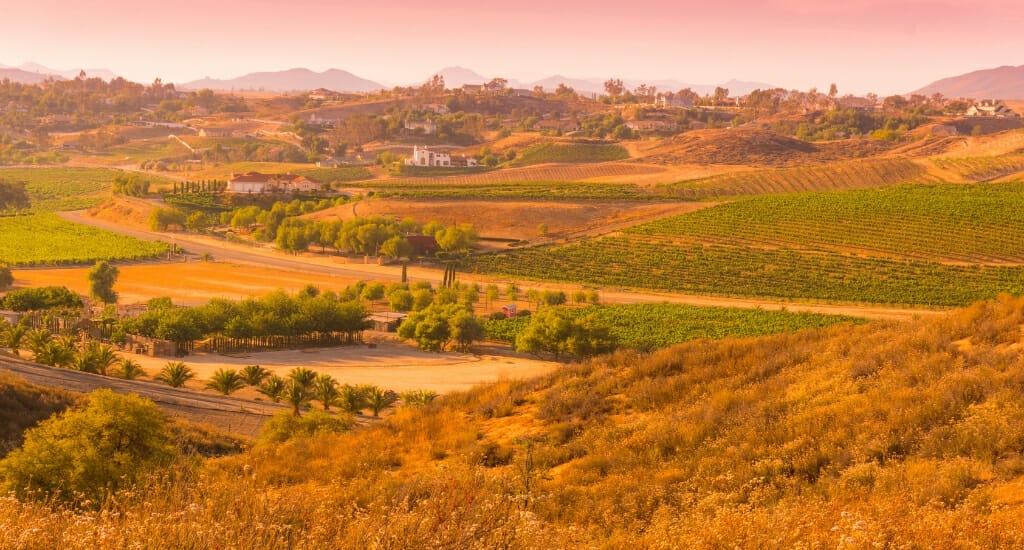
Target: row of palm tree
{"x": 65, "y": 351}
{"x": 299, "y": 388}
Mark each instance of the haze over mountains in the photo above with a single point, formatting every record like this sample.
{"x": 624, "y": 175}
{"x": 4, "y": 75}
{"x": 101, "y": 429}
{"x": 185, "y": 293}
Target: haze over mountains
{"x": 34, "y": 73}
{"x": 1004, "y": 82}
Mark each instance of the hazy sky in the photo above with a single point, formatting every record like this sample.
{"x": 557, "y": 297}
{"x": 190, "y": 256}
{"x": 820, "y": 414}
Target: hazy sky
{"x": 885, "y": 46}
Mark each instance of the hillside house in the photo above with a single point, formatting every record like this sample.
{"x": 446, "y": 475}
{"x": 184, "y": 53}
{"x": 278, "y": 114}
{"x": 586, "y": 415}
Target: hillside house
{"x": 496, "y": 86}
{"x": 325, "y": 122}
{"x": 421, "y": 156}
{"x": 427, "y": 126}
{"x": 215, "y": 132}
{"x": 256, "y": 183}
{"x": 651, "y": 125}
{"x": 990, "y": 108}
{"x": 673, "y": 101}
{"x": 856, "y": 103}
{"x": 422, "y": 245}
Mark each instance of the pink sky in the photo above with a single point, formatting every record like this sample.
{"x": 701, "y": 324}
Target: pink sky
{"x": 862, "y": 45}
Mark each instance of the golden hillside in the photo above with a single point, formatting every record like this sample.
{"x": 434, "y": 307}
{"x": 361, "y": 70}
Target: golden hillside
{"x": 886, "y": 435}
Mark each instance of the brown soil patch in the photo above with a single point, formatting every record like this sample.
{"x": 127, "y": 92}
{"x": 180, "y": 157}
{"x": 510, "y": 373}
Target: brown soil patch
{"x": 390, "y": 365}
{"x": 518, "y": 219}
{"x": 123, "y": 211}
{"x": 752, "y": 147}
{"x": 185, "y": 283}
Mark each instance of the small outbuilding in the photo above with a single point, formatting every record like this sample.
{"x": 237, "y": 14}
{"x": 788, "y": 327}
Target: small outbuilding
{"x": 387, "y": 321}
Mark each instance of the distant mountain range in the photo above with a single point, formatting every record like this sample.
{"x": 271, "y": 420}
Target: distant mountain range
{"x": 1000, "y": 83}
{"x": 292, "y": 80}
{"x": 34, "y": 73}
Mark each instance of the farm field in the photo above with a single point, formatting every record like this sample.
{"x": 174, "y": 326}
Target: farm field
{"x": 185, "y": 283}
{"x": 390, "y": 365}
{"x": 680, "y": 264}
{"x": 516, "y": 219}
{"x": 546, "y": 172}
{"x": 653, "y": 326}
{"x": 46, "y": 239}
{"x": 544, "y": 153}
{"x": 979, "y": 223}
{"x": 535, "y": 190}
{"x": 63, "y": 188}
{"x": 837, "y": 176}
{"x": 982, "y": 168}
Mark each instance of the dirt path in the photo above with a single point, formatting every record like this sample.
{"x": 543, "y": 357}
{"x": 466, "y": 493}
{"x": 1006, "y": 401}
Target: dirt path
{"x": 229, "y": 414}
{"x": 339, "y": 266}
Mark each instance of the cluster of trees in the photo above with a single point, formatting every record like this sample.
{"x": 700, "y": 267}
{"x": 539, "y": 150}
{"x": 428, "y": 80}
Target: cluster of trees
{"x": 458, "y": 126}
{"x": 553, "y": 330}
{"x": 13, "y": 196}
{"x": 132, "y": 185}
{"x": 276, "y": 314}
{"x": 372, "y": 236}
{"x": 843, "y": 123}
{"x": 67, "y": 352}
{"x": 40, "y": 298}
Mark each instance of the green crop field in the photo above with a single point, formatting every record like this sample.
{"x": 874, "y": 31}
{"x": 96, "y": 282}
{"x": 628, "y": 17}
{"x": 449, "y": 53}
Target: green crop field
{"x": 46, "y": 239}
{"x": 53, "y": 189}
{"x": 983, "y": 168}
{"x": 680, "y": 264}
{"x": 651, "y": 326}
{"x": 330, "y": 175}
{"x": 832, "y": 177}
{"x": 535, "y": 190}
{"x": 964, "y": 223}
{"x": 570, "y": 152}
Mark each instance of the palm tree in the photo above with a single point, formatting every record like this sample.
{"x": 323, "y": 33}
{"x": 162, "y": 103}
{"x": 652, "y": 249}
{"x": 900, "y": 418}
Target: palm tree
{"x": 175, "y": 374}
{"x": 96, "y": 358}
{"x": 325, "y": 388}
{"x": 351, "y": 399}
{"x": 129, "y": 369}
{"x": 254, "y": 375}
{"x": 378, "y": 399}
{"x": 273, "y": 388}
{"x": 226, "y": 381}
{"x": 296, "y": 395}
{"x": 14, "y": 337}
{"x": 37, "y": 338}
{"x": 55, "y": 354}
{"x": 418, "y": 398}
{"x": 303, "y": 376}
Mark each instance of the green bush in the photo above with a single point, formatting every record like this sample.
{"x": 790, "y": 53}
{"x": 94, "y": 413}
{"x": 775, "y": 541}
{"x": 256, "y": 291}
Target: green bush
{"x": 285, "y": 425}
{"x": 83, "y": 455}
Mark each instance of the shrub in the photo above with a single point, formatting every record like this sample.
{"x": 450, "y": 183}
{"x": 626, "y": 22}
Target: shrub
{"x": 84, "y": 455}
{"x": 284, "y": 426}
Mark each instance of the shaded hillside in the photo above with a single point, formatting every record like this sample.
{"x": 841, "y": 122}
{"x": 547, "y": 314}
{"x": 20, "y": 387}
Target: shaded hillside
{"x": 1004, "y": 82}
{"x": 881, "y": 436}
{"x": 744, "y": 146}
{"x": 22, "y": 405}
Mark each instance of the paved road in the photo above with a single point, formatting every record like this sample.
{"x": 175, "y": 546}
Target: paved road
{"x": 229, "y": 414}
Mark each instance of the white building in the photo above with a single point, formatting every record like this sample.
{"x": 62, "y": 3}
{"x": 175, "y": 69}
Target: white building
{"x": 421, "y": 156}
{"x": 428, "y": 126}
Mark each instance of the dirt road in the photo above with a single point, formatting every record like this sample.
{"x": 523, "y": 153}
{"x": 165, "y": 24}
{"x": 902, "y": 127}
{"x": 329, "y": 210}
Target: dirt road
{"x": 334, "y": 265}
{"x": 229, "y": 414}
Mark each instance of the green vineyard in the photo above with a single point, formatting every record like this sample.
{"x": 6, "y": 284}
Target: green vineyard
{"x": 46, "y": 239}
{"x": 652, "y": 326}
{"x": 570, "y": 152}
{"x": 680, "y": 264}
{"x": 537, "y": 190}
{"x": 983, "y": 168}
{"x": 965, "y": 223}
{"x": 837, "y": 176}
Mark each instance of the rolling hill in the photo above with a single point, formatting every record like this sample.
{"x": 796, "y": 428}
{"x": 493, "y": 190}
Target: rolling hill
{"x": 1004, "y": 82}
{"x": 289, "y": 81}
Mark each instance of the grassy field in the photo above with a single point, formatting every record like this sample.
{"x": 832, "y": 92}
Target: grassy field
{"x": 46, "y": 239}
{"x": 964, "y": 223}
{"x": 831, "y": 177}
{"x": 570, "y": 152}
{"x": 652, "y": 326}
{"x": 678, "y": 264}
{"x": 875, "y": 436}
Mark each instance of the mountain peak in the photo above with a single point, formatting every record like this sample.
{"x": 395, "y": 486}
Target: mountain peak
{"x": 1005, "y": 82}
